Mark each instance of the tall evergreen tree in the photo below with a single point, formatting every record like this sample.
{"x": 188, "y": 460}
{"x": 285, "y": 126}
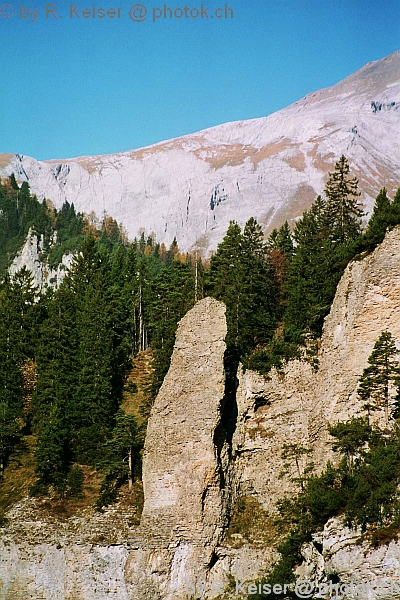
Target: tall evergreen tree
{"x": 258, "y": 311}
{"x": 312, "y": 280}
{"x": 16, "y": 309}
{"x": 281, "y": 240}
{"x": 101, "y": 358}
{"x": 172, "y": 292}
{"x": 225, "y": 276}
{"x": 343, "y": 212}
{"x": 122, "y": 448}
{"x": 241, "y": 275}
{"x": 56, "y": 351}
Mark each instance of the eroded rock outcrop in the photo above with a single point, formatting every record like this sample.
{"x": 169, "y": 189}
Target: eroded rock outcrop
{"x": 296, "y": 404}
{"x": 29, "y": 256}
{"x": 185, "y": 464}
{"x": 337, "y": 561}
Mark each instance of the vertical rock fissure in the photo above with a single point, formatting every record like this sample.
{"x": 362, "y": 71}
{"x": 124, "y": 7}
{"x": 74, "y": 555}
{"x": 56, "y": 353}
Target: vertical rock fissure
{"x": 226, "y": 426}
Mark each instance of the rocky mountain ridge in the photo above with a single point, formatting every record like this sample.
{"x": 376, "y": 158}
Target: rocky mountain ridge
{"x": 270, "y": 168}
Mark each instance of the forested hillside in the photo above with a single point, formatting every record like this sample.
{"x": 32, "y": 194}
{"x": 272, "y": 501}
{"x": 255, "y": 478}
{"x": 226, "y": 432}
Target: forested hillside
{"x": 66, "y": 354}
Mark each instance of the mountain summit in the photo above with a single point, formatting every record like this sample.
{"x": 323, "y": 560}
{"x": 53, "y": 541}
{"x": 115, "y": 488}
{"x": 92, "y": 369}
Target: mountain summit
{"x": 271, "y": 168}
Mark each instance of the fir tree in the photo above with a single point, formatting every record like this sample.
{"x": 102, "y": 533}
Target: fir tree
{"x": 52, "y": 402}
{"x": 16, "y": 301}
{"x": 101, "y": 357}
{"x": 312, "y": 282}
{"x": 258, "y": 309}
{"x": 172, "y": 296}
{"x": 53, "y": 455}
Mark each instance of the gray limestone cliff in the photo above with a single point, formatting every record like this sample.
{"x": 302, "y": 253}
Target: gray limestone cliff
{"x": 216, "y": 433}
{"x": 29, "y": 256}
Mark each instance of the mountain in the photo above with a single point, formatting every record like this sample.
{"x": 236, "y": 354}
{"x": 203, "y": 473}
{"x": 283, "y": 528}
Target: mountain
{"x": 271, "y": 168}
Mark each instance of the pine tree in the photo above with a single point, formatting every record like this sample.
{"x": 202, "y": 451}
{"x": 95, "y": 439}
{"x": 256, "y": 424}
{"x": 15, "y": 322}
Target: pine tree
{"x": 295, "y": 452}
{"x": 350, "y": 436}
{"x": 343, "y": 213}
{"x": 378, "y": 379}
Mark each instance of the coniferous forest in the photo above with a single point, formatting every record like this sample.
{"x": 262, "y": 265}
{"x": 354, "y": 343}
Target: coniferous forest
{"x": 66, "y": 353}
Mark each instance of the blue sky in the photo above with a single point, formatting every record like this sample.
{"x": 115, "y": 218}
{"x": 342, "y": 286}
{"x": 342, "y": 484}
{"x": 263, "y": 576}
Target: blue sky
{"x": 72, "y": 86}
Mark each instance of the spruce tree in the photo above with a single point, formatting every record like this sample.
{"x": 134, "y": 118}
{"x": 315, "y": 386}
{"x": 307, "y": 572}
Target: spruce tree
{"x": 53, "y": 456}
{"x": 56, "y": 351}
{"x": 343, "y": 212}
{"x": 16, "y": 305}
{"x": 259, "y": 308}
{"x": 241, "y": 275}
{"x": 379, "y": 221}
{"x": 395, "y": 210}
{"x": 100, "y": 359}
{"x": 122, "y": 448}
{"x": 312, "y": 280}
{"x": 225, "y": 276}
{"x": 171, "y": 297}
{"x": 281, "y": 240}
{"x": 378, "y": 379}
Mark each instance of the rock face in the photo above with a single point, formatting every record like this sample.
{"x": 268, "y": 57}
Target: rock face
{"x": 216, "y": 433}
{"x": 30, "y": 257}
{"x": 270, "y": 168}
{"x": 185, "y": 479}
{"x": 181, "y": 459}
{"x": 297, "y": 403}
{"x": 363, "y": 573}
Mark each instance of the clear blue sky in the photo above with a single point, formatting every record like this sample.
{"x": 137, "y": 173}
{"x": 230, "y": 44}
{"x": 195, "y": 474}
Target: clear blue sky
{"x": 72, "y": 86}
